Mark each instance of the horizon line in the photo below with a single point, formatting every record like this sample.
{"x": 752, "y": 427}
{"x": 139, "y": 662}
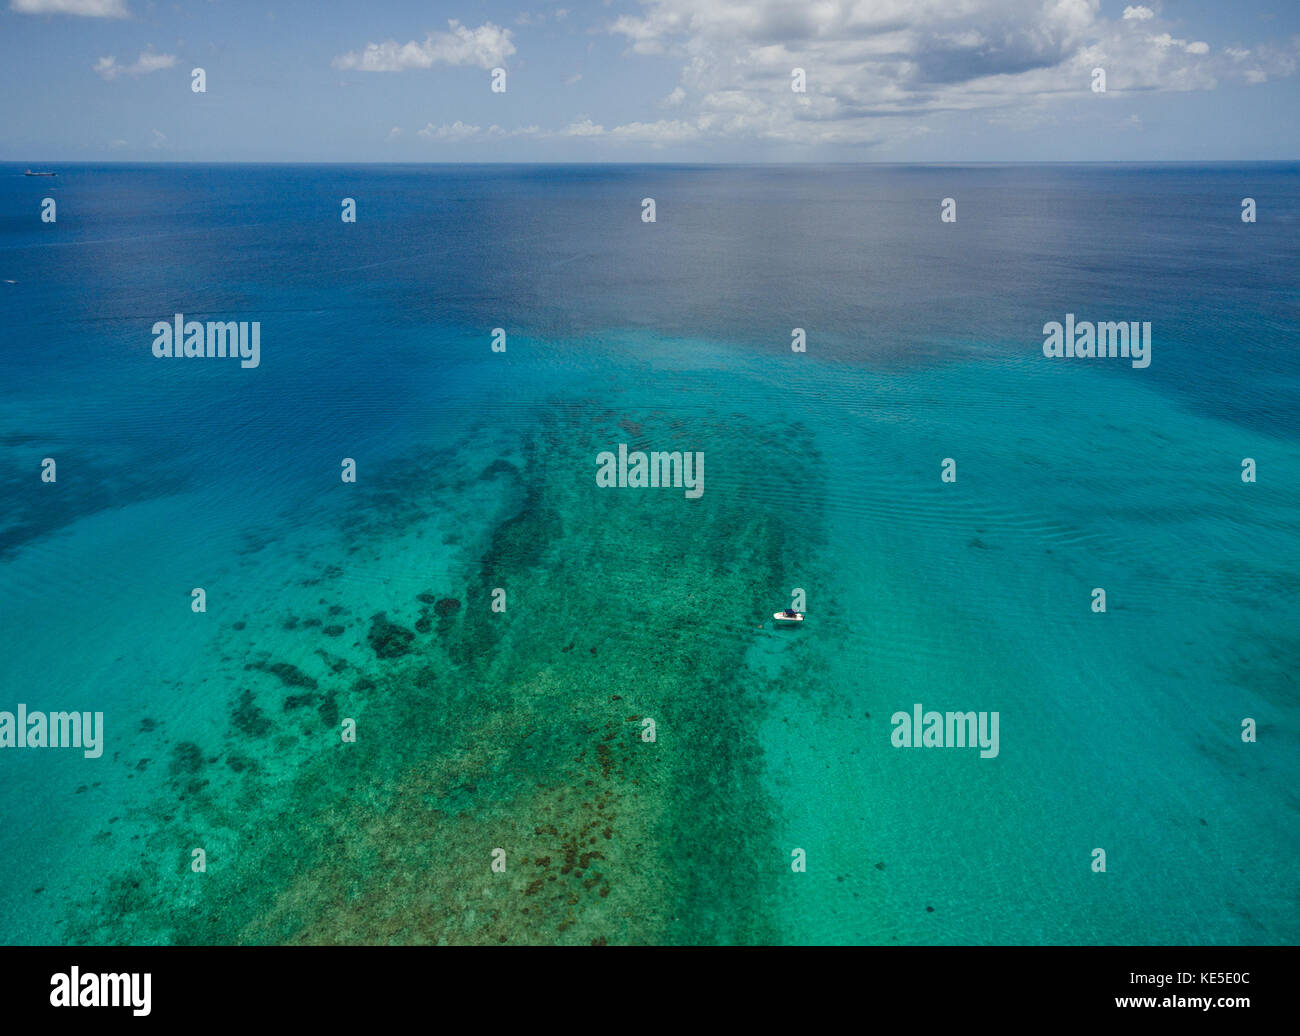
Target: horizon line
{"x": 949, "y": 162}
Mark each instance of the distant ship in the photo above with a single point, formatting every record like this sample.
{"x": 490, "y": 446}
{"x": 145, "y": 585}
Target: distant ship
{"x": 30, "y": 173}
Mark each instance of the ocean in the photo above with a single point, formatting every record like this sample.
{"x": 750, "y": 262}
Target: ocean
{"x": 574, "y": 717}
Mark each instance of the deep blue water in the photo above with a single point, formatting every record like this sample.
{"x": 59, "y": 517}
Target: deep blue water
{"x": 924, "y": 341}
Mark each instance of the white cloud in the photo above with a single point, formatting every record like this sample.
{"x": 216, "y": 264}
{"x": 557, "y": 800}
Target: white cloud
{"x": 664, "y": 131}
{"x": 1164, "y": 40}
{"x": 457, "y": 131}
{"x": 150, "y": 62}
{"x": 1274, "y": 59}
{"x": 487, "y": 47}
{"x": 159, "y": 140}
{"x": 108, "y": 69}
{"x": 393, "y": 134}
{"x": 582, "y": 128}
{"x": 85, "y": 8}
{"x": 878, "y": 71}
{"x": 886, "y": 69}
{"x": 571, "y": 80}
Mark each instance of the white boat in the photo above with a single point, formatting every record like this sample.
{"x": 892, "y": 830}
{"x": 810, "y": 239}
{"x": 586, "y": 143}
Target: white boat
{"x": 783, "y": 617}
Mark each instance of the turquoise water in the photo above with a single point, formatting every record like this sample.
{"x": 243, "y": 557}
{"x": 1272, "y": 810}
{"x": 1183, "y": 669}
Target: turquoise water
{"x": 522, "y": 729}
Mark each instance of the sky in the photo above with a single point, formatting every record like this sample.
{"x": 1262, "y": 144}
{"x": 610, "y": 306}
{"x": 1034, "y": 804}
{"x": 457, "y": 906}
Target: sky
{"x": 649, "y": 81}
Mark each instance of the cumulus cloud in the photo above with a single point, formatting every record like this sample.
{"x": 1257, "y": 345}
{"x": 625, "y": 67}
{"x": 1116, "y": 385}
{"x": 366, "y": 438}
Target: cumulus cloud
{"x": 459, "y": 131}
{"x": 1165, "y": 40}
{"x": 1269, "y": 60}
{"x": 884, "y": 69}
{"x": 85, "y": 8}
{"x": 487, "y": 47}
{"x": 664, "y": 131}
{"x": 108, "y": 69}
{"x": 582, "y": 128}
{"x": 456, "y": 131}
{"x": 877, "y": 72}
